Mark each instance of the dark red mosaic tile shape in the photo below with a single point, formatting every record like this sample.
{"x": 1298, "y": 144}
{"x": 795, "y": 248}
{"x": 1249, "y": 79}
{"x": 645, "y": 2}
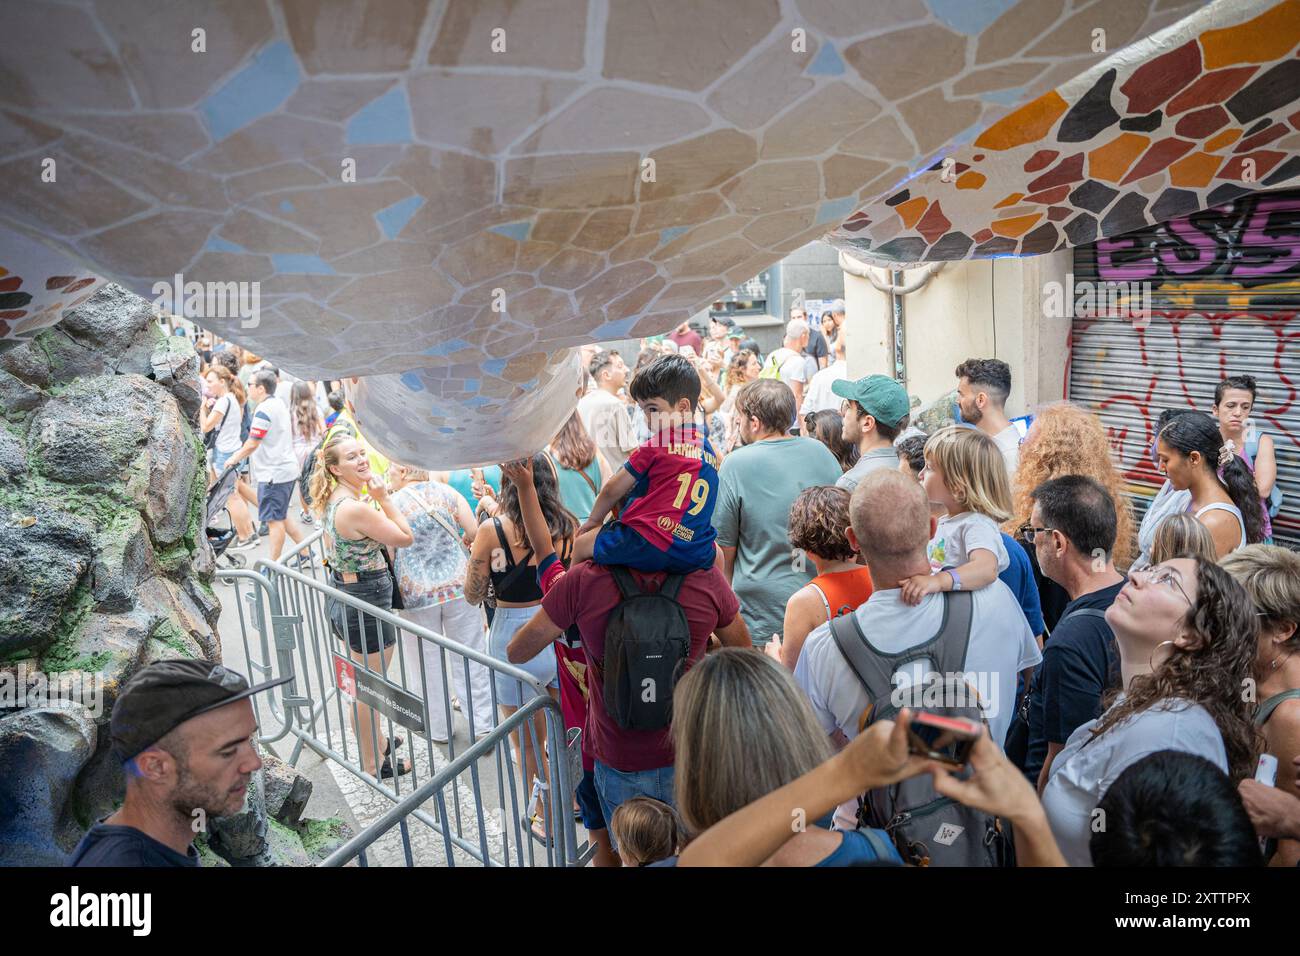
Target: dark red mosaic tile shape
{"x": 58, "y": 282}
{"x": 1057, "y": 213}
{"x": 934, "y": 224}
{"x": 1069, "y": 170}
{"x": 1152, "y": 83}
{"x": 1265, "y": 160}
{"x": 1276, "y": 131}
{"x": 984, "y": 235}
{"x": 1040, "y": 160}
{"x": 11, "y": 284}
{"x": 1211, "y": 88}
{"x": 1203, "y": 122}
{"x": 1159, "y": 155}
{"x": 1049, "y": 196}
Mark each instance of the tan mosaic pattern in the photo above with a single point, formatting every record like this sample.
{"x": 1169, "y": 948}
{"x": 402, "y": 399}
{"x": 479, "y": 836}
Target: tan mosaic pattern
{"x": 520, "y": 169}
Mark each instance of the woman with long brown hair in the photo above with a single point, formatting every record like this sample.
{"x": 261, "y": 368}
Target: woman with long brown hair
{"x": 501, "y": 555}
{"x": 223, "y": 412}
{"x": 1066, "y": 439}
{"x": 579, "y": 470}
{"x": 1187, "y": 639}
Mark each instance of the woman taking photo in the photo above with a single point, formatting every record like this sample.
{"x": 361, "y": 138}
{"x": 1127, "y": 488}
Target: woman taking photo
{"x": 744, "y": 368}
{"x": 1186, "y": 633}
{"x": 1193, "y": 454}
{"x": 741, "y": 730}
{"x": 1271, "y": 576}
{"x": 356, "y": 534}
{"x": 501, "y": 557}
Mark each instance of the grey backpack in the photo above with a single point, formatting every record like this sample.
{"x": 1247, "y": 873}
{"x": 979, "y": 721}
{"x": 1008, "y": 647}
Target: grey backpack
{"x": 928, "y": 829}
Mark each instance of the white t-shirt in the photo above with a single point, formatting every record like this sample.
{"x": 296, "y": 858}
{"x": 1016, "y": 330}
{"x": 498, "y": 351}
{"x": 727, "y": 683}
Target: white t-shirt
{"x": 1081, "y": 774}
{"x": 790, "y": 365}
{"x": 609, "y": 425}
{"x": 1008, "y": 442}
{"x": 818, "y": 397}
{"x": 1000, "y": 647}
{"x": 273, "y": 458}
{"x": 956, "y": 537}
{"x": 228, "y": 429}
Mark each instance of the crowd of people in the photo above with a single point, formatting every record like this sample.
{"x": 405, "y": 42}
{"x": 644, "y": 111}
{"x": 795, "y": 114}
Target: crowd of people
{"x": 751, "y": 580}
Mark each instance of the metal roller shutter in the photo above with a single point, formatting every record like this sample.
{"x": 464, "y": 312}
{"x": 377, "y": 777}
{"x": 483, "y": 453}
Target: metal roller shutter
{"x": 1224, "y": 289}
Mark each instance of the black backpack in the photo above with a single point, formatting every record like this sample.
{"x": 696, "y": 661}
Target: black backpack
{"x": 647, "y": 643}
{"x": 245, "y": 423}
{"x": 928, "y": 829}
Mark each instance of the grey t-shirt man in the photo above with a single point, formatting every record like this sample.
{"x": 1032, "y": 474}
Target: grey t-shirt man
{"x": 757, "y": 484}
{"x": 876, "y": 458}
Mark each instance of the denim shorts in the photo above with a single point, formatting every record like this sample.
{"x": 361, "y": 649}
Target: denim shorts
{"x": 505, "y": 623}
{"x": 616, "y": 787}
{"x": 364, "y": 633}
{"x": 273, "y": 501}
{"x": 219, "y": 459}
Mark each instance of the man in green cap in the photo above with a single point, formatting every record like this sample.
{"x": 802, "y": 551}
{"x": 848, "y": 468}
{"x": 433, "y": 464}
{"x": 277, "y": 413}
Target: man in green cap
{"x": 183, "y": 730}
{"x": 875, "y": 411}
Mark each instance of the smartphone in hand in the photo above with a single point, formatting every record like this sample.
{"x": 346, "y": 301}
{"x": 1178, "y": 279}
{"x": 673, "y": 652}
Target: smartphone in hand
{"x": 945, "y": 739}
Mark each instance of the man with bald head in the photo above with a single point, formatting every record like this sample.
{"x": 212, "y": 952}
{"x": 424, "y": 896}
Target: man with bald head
{"x": 184, "y": 733}
{"x": 890, "y": 526}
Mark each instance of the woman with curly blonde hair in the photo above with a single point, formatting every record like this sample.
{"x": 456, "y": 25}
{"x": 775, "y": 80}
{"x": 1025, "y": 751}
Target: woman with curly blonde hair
{"x": 1066, "y": 439}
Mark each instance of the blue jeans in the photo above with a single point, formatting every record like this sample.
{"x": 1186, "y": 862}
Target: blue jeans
{"x": 614, "y": 787}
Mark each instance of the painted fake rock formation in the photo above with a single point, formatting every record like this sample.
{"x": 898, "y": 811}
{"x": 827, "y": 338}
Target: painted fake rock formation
{"x": 445, "y": 199}
{"x": 104, "y": 567}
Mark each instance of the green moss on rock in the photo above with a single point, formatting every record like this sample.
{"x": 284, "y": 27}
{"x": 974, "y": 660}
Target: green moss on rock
{"x": 62, "y": 654}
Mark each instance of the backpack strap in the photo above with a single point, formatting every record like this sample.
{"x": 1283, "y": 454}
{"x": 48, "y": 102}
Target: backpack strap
{"x": 883, "y": 849}
{"x": 501, "y": 540}
{"x": 825, "y": 603}
{"x": 866, "y": 664}
{"x": 1269, "y": 705}
{"x": 672, "y": 584}
{"x": 626, "y": 584}
{"x": 950, "y": 644}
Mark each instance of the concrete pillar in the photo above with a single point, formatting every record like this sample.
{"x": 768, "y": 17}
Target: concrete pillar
{"x": 988, "y": 308}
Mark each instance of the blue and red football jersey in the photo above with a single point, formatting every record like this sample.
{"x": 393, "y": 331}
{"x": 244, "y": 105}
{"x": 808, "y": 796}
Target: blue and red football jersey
{"x": 671, "y": 505}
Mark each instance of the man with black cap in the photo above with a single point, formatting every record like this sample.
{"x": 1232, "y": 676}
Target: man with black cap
{"x": 875, "y": 409}
{"x": 183, "y": 730}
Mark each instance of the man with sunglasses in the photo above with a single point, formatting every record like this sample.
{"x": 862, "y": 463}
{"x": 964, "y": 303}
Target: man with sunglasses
{"x": 1072, "y": 529}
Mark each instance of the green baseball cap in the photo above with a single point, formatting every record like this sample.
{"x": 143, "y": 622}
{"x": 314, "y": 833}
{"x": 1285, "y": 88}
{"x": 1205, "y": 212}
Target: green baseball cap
{"x": 880, "y": 396}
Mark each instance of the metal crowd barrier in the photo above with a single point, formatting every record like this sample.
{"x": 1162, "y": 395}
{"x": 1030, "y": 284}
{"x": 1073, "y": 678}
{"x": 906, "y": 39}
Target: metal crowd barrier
{"x": 285, "y": 628}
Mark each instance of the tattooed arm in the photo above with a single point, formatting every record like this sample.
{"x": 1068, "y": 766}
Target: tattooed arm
{"x": 477, "y": 575}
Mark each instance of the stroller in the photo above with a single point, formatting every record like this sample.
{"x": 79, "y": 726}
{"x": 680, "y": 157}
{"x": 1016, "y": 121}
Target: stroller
{"x": 220, "y": 538}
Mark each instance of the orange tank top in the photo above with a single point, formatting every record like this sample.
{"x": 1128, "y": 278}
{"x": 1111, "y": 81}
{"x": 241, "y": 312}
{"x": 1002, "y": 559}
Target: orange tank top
{"x": 843, "y": 591}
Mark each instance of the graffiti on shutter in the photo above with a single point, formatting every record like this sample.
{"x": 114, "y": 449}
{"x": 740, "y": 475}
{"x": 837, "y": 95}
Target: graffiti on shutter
{"x": 1225, "y": 290}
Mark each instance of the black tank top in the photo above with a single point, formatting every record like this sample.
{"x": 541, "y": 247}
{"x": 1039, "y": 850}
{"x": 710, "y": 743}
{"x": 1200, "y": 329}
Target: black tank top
{"x": 518, "y": 582}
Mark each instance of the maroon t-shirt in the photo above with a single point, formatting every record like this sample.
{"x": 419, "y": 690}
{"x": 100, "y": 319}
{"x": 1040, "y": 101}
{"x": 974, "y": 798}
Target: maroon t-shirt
{"x": 691, "y": 338}
{"x": 586, "y": 596}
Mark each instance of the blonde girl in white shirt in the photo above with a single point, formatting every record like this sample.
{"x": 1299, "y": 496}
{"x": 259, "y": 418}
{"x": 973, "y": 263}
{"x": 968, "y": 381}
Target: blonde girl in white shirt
{"x": 965, "y": 474}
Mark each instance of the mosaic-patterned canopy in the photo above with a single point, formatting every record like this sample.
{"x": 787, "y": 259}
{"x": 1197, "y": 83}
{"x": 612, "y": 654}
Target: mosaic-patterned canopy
{"x": 531, "y": 175}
